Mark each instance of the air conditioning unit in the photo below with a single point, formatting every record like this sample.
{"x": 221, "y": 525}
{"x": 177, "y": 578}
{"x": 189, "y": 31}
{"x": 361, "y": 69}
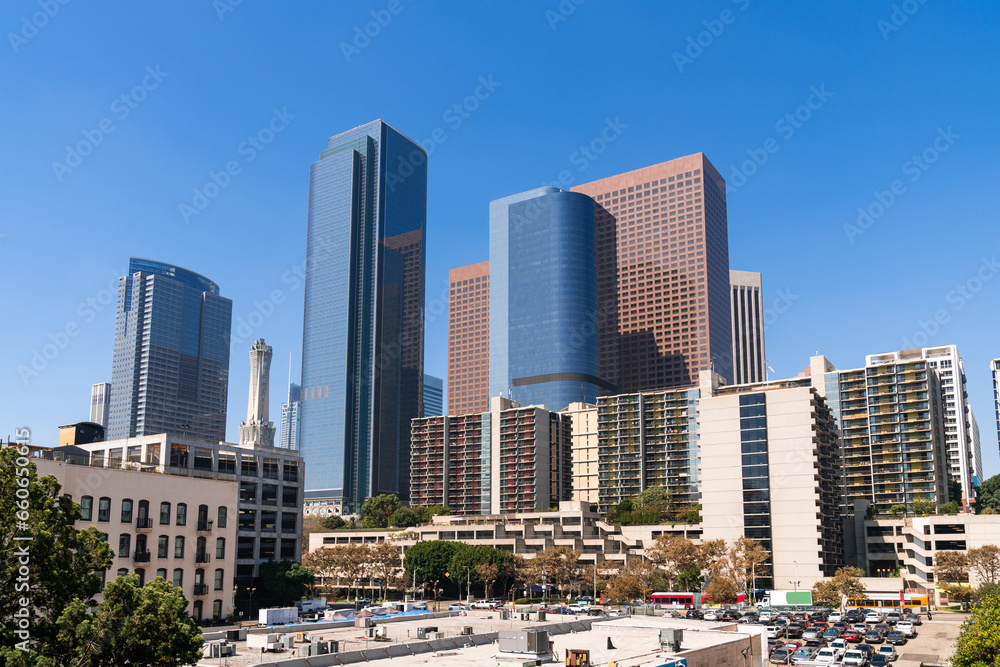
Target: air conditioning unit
{"x": 288, "y": 641}
{"x": 436, "y": 635}
{"x": 370, "y": 632}
{"x": 319, "y": 648}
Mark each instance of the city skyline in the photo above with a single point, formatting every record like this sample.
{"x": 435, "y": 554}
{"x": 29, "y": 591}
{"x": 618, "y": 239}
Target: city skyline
{"x": 812, "y": 159}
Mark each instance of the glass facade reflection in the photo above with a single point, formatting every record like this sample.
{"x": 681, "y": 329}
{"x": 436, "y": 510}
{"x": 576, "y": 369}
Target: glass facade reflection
{"x": 543, "y": 334}
{"x": 170, "y": 372}
{"x": 362, "y": 345}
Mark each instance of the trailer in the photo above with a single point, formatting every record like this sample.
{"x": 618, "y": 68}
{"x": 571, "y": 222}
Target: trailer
{"x": 279, "y": 616}
{"x": 786, "y": 598}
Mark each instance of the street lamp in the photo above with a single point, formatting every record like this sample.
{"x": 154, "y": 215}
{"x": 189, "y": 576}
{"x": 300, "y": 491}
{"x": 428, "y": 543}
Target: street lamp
{"x": 545, "y": 590}
{"x": 415, "y": 570}
{"x": 250, "y": 605}
{"x": 468, "y": 583}
{"x": 796, "y": 584}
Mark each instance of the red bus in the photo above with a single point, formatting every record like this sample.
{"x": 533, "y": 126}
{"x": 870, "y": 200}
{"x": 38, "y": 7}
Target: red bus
{"x": 678, "y": 600}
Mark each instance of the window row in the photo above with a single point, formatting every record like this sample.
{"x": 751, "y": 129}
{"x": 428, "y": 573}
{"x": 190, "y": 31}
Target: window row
{"x": 268, "y": 494}
{"x": 200, "y": 584}
{"x": 142, "y": 553}
{"x": 142, "y": 518}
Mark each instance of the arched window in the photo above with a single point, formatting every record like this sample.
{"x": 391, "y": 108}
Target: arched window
{"x": 216, "y": 609}
{"x": 220, "y": 576}
{"x": 122, "y": 572}
{"x": 200, "y": 553}
{"x": 124, "y": 545}
{"x": 142, "y": 517}
{"x": 223, "y": 516}
{"x": 197, "y": 610}
{"x": 178, "y": 577}
{"x": 220, "y": 548}
{"x": 87, "y": 508}
{"x": 162, "y": 573}
{"x": 179, "y": 546}
{"x": 126, "y": 510}
{"x": 104, "y": 509}
{"x": 182, "y": 514}
{"x": 142, "y": 576}
{"x": 163, "y": 547}
{"x": 164, "y": 514}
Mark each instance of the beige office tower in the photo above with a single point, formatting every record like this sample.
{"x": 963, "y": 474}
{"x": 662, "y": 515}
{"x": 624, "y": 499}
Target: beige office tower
{"x": 585, "y": 452}
{"x": 662, "y": 275}
{"x": 469, "y": 339}
{"x": 747, "y": 311}
{"x": 769, "y": 471}
{"x": 963, "y": 459}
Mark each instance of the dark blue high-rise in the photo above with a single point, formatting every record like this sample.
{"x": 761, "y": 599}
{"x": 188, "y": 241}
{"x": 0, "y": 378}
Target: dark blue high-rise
{"x": 543, "y": 303}
{"x": 170, "y": 372}
{"x": 363, "y": 329}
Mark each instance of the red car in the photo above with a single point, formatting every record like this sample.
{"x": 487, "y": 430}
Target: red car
{"x": 853, "y": 636}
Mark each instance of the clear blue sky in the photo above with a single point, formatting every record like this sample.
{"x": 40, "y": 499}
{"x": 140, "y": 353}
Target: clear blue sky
{"x": 208, "y": 79}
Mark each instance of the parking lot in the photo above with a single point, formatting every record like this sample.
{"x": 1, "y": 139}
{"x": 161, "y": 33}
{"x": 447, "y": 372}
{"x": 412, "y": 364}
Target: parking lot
{"x": 935, "y": 641}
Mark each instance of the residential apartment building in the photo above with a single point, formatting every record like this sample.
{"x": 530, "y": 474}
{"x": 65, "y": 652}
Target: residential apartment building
{"x": 963, "y": 459}
{"x": 586, "y": 463}
{"x": 100, "y": 403}
{"x": 175, "y": 526}
{"x": 468, "y": 339}
{"x": 770, "y": 471}
{"x": 648, "y": 439}
{"x": 363, "y": 323}
{"x": 663, "y": 304}
{"x": 268, "y": 482}
{"x": 170, "y": 372}
{"x": 511, "y": 459}
{"x": 433, "y": 396}
{"x": 747, "y": 304}
{"x": 543, "y": 291}
{"x": 995, "y": 370}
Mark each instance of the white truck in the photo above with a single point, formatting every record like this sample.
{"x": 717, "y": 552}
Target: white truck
{"x": 311, "y": 606}
{"x": 279, "y": 616}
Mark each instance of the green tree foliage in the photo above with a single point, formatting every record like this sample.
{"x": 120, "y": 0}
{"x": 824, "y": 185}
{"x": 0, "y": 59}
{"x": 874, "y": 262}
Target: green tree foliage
{"x": 949, "y": 508}
{"x": 133, "y": 625}
{"x": 985, "y": 562}
{"x": 57, "y": 565}
{"x": 283, "y": 582}
{"x": 722, "y": 589}
{"x": 978, "y": 643}
{"x": 898, "y": 509}
{"x": 377, "y": 510}
{"x": 989, "y": 494}
{"x": 404, "y": 517}
{"x": 985, "y": 590}
{"x": 654, "y": 498}
{"x": 923, "y": 507}
{"x": 333, "y": 522}
{"x": 432, "y": 558}
{"x": 472, "y": 556}
{"x": 845, "y": 583}
{"x": 425, "y": 512}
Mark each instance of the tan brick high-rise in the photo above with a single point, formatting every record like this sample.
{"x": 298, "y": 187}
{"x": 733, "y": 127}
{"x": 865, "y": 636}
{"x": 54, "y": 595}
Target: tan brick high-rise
{"x": 469, "y": 339}
{"x": 662, "y": 274}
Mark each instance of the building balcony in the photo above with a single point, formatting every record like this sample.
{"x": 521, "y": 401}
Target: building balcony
{"x": 141, "y": 556}
{"x": 201, "y": 589}
{"x": 143, "y": 525}
{"x": 204, "y": 527}
{"x": 202, "y": 557}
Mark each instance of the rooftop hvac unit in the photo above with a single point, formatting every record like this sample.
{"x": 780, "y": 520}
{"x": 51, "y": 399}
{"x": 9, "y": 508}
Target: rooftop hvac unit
{"x": 467, "y": 630}
{"x": 370, "y": 632}
{"x": 363, "y": 622}
{"x": 671, "y": 639}
{"x": 288, "y": 641}
{"x": 319, "y": 648}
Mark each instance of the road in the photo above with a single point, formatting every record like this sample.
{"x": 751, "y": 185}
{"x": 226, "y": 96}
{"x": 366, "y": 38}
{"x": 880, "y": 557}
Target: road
{"x": 935, "y": 641}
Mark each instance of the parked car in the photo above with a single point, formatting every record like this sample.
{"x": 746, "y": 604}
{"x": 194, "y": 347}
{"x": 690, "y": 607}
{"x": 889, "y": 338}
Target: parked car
{"x": 874, "y": 637}
{"x": 840, "y": 645}
{"x": 781, "y": 656}
{"x": 774, "y": 631}
{"x": 854, "y": 659}
{"x": 458, "y": 606}
{"x": 773, "y": 644}
{"x": 896, "y": 638}
{"x": 906, "y": 627}
{"x": 812, "y": 633}
{"x": 711, "y": 615}
{"x": 888, "y": 651}
{"x": 830, "y": 634}
{"x": 914, "y": 618}
{"x": 861, "y": 627}
{"x": 586, "y": 598}
{"x": 835, "y": 617}
{"x": 893, "y": 617}
{"x": 883, "y": 628}
{"x": 866, "y": 649}
{"x": 487, "y": 604}
{"x": 873, "y": 617}
{"x": 766, "y": 615}
{"x": 853, "y": 635}
{"x": 803, "y": 654}
{"x": 693, "y": 613}
{"x": 794, "y": 630}
{"x": 828, "y": 656}
{"x": 879, "y": 660}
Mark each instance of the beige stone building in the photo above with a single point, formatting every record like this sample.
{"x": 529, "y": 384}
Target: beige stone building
{"x": 172, "y": 525}
{"x": 585, "y": 460}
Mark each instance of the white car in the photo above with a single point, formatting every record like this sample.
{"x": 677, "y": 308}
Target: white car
{"x": 766, "y": 616}
{"x": 889, "y": 651}
{"x": 906, "y": 627}
{"x": 873, "y": 617}
{"x": 773, "y": 631}
{"x": 578, "y": 609}
{"x": 835, "y": 617}
{"x": 711, "y": 616}
{"x": 855, "y": 659}
{"x": 827, "y": 656}
{"x": 840, "y": 645}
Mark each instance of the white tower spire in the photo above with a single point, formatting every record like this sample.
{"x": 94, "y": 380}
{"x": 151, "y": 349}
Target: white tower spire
{"x": 257, "y": 430}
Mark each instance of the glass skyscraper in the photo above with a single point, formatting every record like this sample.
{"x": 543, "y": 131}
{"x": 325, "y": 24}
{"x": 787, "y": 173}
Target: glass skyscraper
{"x": 433, "y": 396}
{"x": 543, "y": 303}
{"x": 170, "y": 372}
{"x": 363, "y": 330}
{"x": 288, "y": 435}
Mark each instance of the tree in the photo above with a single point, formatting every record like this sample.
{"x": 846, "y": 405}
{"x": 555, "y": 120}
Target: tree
{"x": 425, "y": 512}
{"x": 923, "y": 507}
{"x": 488, "y": 573}
{"x": 432, "y": 558}
{"x": 561, "y": 565}
{"x": 674, "y": 556}
{"x": 656, "y": 498}
{"x": 988, "y": 495}
{"x": 386, "y": 561}
{"x": 961, "y": 593}
{"x": 64, "y": 563}
{"x": 623, "y": 589}
{"x": 404, "y": 517}
{"x": 378, "y": 509}
{"x": 985, "y": 590}
{"x": 722, "y": 589}
{"x": 282, "y": 582}
{"x": 333, "y": 522}
{"x": 745, "y": 560}
{"x": 898, "y": 509}
{"x": 985, "y": 562}
{"x": 951, "y": 567}
{"x": 951, "y": 507}
{"x": 846, "y": 583}
{"x": 978, "y": 643}
{"x": 133, "y": 625}
{"x": 465, "y": 562}
{"x": 322, "y": 562}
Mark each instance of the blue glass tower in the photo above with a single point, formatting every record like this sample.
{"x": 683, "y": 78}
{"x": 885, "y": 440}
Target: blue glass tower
{"x": 363, "y": 329}
{"x": 543, "y": 303}
{"x": 170, "y": 372}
